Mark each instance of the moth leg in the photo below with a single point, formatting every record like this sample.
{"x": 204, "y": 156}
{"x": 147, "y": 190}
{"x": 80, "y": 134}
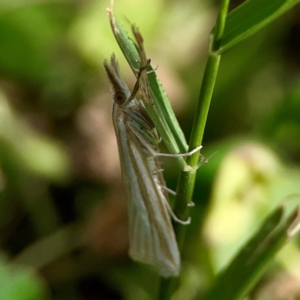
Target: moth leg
{"x": 168, "y": 190}
{"x": 158, "y": 171}
{"x": 190, "y": 204}
{"x": 180, "y": 154}
{"x": 137, "y": 84}
{"x": 153, "y": 152}
{"x": 187, "y": 222}
{"x": 153, "y": 69}
{"x": 144, "y": 67}
{"x": 204, "y": 160}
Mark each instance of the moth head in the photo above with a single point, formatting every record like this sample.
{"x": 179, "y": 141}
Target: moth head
{"x": 119, "y": 97}
{"x": 119, "y": 88}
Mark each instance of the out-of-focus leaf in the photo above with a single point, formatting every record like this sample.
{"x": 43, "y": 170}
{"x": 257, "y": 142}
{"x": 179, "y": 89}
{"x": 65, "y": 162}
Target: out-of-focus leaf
{"x": 250, "y": 17}
{"x": 20, "y": 284}
{"x": 25, "y": 52}
{"x": 242, "y": 188}
{"x": 35, "y": 152}
{"x": 66, "y": 239}
{"x": 162, "y": 114}
{"x": 252, "y": 260}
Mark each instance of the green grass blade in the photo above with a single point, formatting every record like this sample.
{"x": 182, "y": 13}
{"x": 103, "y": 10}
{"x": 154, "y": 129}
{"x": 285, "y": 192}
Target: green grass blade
{"x": 163, "y": 117}
{"x": 249, "y": 18}
{"x": 186, "y": 182}
{"x": 19, "y": 283}
{"x": 253, "y": 259}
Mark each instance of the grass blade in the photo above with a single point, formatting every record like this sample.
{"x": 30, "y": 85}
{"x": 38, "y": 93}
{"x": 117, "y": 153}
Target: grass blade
{"x": 163, "y": 116}
{"x": 253, "y": 259}
{"x": 250, "y": 17}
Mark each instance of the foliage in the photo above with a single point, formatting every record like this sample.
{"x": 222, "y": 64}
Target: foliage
{"x": 62, "y": 207}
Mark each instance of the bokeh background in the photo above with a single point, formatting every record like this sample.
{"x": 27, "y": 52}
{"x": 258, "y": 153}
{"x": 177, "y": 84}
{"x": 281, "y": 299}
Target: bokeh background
{"x": 63, "y": 215}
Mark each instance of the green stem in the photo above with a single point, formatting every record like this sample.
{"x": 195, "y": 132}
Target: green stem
{"x": 186, "y": 182}
{"x": 187, "y": 179}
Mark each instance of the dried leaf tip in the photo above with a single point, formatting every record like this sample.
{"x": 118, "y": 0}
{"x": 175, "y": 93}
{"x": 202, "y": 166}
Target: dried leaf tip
{"x": 110, "y": 13}
{"x": 110, "y": 9}
{"x": 295, "y": 226}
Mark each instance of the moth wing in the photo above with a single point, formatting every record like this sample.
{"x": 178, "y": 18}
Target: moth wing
{"x": 152, "y": 238}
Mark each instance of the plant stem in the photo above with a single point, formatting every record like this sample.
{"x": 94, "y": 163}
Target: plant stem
{"x": 187, "y": 179}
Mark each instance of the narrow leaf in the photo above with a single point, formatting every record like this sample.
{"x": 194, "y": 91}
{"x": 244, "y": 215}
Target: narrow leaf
{"x": 250, "y": 17}
{"x": 253, "y": 259}
{"x": 167, "y": 126}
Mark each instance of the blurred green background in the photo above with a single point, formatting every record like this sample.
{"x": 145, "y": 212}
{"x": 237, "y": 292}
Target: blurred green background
{"x": 63, "y": 215}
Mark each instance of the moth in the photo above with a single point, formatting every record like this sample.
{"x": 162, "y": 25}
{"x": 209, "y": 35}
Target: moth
{"x": 151, "y": 235}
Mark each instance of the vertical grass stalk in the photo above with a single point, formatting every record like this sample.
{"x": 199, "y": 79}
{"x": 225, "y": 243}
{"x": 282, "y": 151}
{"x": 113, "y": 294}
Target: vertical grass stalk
{"x": 187, "y": 179}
